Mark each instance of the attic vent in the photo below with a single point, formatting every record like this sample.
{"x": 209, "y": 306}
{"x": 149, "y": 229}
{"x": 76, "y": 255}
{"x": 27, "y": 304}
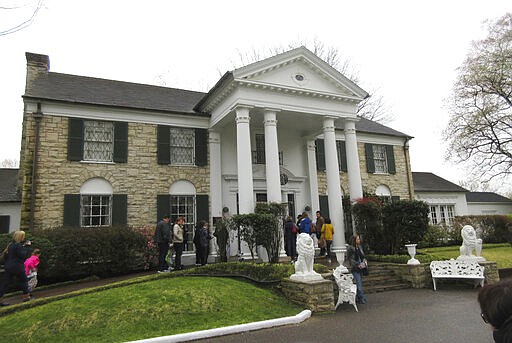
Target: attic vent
{"x": 299, "y": 77}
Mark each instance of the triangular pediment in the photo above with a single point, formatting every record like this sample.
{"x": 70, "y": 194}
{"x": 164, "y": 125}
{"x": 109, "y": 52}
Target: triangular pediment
{"x": 301, "y": 70}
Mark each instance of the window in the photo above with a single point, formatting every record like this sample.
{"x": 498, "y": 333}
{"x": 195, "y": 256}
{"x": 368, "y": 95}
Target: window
{"x": 380, "y": 159}
{"x": 96, "y": 210}
{"x": 98, "y": 141}
{"x": 5, "y": 222}
{"x": 442, "y": 214}
{"x": 95, "y": 206}
{"x": 260, "y": 149}
{"x": 182, "y": 146}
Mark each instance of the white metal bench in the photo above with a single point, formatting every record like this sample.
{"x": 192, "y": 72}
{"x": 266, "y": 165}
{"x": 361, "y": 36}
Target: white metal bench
{"x": 457, "y": 269}
{"x": 347, "y": 288}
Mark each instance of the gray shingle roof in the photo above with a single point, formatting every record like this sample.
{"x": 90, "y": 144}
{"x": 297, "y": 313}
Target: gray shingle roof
{"x": 486, "y": 197}
{"x": 8, "y": 185}
{"x": 95, "y": 91}
{"x": 429, "y": 182}
{"x": 366, "y": 125}
{"x": 90, "y": 90}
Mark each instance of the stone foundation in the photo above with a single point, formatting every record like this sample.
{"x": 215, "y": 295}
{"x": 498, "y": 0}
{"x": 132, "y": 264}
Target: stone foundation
{"x": 317, "y": 296}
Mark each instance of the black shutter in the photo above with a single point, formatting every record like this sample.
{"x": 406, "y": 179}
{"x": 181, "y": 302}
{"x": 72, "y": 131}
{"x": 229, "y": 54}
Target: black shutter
{"x": 163, "y": 145}
{"x": 320, "y": 154}
{"x": 391, "y": 159}
{"x": 119, "y": 209}
{"x": 120, "y": 142}
{"x": 72, "y": 210}
{"x": 201, "y": 137}
{"x": 370, "y": 163}
{"x": 342, "y": 154}
{"x": 324, "y": 205}
{"x": 202, "y": 207}
{"x": 163, "y": 206}
{"x": 5, "y": 222}
{"x": 75, "y": 139}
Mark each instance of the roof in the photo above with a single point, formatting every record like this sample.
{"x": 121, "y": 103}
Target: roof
{"x": 369, "y": 126}
{"x": 9, "y": 185}
{"x": 429, "y": 182}
{"x": 95, "y": 91}
{"x": 486, "y": 197}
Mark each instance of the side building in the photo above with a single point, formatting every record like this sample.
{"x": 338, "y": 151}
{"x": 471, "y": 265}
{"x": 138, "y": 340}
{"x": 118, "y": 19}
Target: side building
{"x": 99, "y": 152}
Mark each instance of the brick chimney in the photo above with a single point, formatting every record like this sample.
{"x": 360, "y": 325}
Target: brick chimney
{"x": 37, "y": 65}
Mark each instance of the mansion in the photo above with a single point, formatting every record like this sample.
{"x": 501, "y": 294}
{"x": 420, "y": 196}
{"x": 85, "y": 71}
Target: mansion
{"x": 99, "y": 152}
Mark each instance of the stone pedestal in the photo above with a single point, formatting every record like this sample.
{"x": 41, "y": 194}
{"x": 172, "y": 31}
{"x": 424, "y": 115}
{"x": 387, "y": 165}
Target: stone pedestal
{"x": 317, "y": 296}
{"x": 491, "y": 272}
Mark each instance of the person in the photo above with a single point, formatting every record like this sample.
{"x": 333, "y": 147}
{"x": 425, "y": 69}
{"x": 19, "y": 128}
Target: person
{"x": 17, "y": 251}
{"x": 290, "y": 238}
{"x": 496, "y": 309}
{"x": 305, "y": 224}
{"x": 31, "y": 264}
{"x": 178, "y": 240}
{"x": 203, "y": 242}
{"x": 196, "y": 245}
{"x": 162, "y": 238}
{"x": 357, "y": 261}
{"x": 327, "y": 231}
{"x": 320, "y": 221}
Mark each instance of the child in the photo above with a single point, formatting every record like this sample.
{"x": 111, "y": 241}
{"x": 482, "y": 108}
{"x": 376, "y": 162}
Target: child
{"x": 31, "y": 264}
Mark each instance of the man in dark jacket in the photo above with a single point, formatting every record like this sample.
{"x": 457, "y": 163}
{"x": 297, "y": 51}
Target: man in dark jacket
{"x": 162, "y": 238}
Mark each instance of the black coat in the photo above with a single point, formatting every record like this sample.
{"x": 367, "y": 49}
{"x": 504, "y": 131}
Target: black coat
{"x": 17, "y": 253}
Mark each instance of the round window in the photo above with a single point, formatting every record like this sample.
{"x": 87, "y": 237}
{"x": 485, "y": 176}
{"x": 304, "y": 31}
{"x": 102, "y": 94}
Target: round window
{"x": 299, "y": 77}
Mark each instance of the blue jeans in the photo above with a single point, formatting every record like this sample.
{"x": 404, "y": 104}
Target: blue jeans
{"x": 359, "y": 283}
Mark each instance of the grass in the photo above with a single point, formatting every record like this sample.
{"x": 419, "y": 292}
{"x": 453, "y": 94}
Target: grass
{"x": 159, "y": 307}
{"x": 501, "y": 253}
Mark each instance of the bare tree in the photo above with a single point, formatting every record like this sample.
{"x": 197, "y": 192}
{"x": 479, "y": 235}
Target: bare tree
{"x": 373, "y": 107}
{"x": 9, "y": 163}
{"x": 25, "y": 22}
{"x": 479, "y": 132}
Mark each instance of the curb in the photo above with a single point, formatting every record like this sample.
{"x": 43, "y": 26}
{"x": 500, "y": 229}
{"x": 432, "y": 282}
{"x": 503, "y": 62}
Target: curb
{"x": 302, "y": 316}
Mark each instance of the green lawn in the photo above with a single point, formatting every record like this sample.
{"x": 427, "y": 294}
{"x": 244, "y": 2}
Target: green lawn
{"x": 164, "y": 306}
{"x": 501, "y": 253}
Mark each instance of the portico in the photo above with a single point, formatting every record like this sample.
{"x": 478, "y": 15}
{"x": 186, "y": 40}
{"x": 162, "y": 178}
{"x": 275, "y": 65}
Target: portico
{"x": 292, "y": 99}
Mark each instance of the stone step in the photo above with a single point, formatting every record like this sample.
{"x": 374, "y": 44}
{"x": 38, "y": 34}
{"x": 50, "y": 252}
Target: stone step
{"x": 383, "y": 288}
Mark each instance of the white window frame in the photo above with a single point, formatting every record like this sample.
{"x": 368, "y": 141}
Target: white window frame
{"x": 93, "y": 147}
{"x": 442, "y": 214}
{"x": 95, "y": 207}
{"x": 184, "y": 205}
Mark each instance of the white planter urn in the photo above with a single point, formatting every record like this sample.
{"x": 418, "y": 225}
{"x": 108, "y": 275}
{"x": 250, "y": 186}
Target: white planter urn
{"x": 411, "y": 249}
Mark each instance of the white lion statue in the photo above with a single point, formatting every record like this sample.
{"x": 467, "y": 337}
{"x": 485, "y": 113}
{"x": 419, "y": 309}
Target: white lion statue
{"x": 469, "y": 243}
{"x": 304, "y": 264}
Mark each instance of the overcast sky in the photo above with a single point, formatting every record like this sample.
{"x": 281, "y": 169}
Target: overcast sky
{"x": 409, "y": 50}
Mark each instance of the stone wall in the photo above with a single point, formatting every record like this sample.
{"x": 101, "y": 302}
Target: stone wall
{"x": 399, "y": 183}
{"x": 142, "y": 178}
{"x": 317, "y": 296}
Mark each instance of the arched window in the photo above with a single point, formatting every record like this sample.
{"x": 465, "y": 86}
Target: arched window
{"x": 96, "y": 203}
{"x": 383, "y": 193}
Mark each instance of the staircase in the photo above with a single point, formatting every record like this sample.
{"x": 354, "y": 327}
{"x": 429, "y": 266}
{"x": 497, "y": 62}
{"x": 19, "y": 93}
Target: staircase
{"x": 381, "y": 278}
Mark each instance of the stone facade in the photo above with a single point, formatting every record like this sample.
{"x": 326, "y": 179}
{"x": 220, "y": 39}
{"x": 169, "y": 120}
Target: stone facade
{"x": 400, "y": 183}
{"x": 141, "y": 178}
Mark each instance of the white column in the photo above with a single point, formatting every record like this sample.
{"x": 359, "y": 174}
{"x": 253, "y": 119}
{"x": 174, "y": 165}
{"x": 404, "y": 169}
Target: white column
{"x": 334, "y": 189}
{"x": 355, "y": 186}
{"x": 313, "y": 177}
{"x": 272, "y": 157}
{"x": 215, "y": 174}
{"x": 244, "y": 161}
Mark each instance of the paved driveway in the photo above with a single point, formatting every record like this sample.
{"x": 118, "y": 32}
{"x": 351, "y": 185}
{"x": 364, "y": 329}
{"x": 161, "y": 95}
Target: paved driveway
{"x": 449, "y": 315}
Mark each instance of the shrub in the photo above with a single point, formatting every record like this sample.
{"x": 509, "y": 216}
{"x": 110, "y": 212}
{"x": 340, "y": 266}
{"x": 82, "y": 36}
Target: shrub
{"x": 73, "y": 253}
{"x": 405, "y": 221}
{"x": 435, "y": 236}
{"x": 492, "y": 228}
{"x": 367, "y": 214}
